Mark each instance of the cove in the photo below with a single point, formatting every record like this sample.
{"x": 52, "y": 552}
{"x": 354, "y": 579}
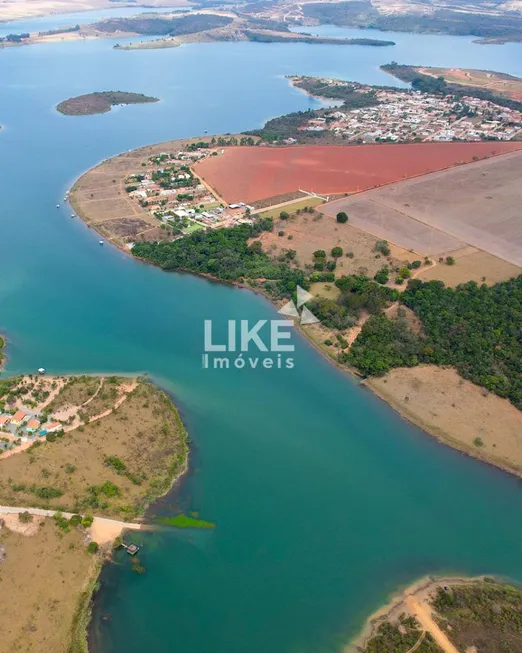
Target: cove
{"x": 324, "y": 500}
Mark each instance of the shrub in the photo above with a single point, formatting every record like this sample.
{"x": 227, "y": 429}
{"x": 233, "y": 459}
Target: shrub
{"x": 284, "y": 215}
{"x": 319, "y": 253}
{"x": 450, "y": 260}
{"x": 87, "y": 521}
{"x": 337, "y": 252}
{"x": 382, "y": 276}
{"x": 93, "y": 547}
{"x": 342, "y": 217}
{"x": 25, "y": 517}
{"x": 382, "y": 247}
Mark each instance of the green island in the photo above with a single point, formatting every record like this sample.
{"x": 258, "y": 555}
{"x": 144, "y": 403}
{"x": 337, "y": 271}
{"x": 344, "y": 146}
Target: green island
{"x": 75, "y": 451}
{"x": 100, "y": 102}
{"x": 446, "y": 616}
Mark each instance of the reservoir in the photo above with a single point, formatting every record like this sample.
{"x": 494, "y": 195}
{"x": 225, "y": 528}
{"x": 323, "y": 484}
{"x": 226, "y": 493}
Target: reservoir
{"x": 325, "y": 501}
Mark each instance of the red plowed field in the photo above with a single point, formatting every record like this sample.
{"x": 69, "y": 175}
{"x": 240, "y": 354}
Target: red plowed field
{"x": 247, "y": 174}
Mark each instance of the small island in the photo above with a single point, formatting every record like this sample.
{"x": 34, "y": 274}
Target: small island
{"x": 100, "y": 102}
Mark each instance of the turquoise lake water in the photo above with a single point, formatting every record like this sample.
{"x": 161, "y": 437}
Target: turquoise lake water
{"x": 325, "y": 501}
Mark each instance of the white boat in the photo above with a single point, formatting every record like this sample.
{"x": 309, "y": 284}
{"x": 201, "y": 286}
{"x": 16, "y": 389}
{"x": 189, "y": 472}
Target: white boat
{"x": 72, "y": 215}
{"x": 101, "y": 242}
{"x": 57, "y": 206}
{"x": 41, "y": 370}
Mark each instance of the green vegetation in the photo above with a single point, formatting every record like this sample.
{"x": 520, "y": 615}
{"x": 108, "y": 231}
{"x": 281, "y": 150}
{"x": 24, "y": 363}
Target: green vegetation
{"x": 341, "y": 217}
{"x": 25, "y": 517}
{"x": 357, "y": 294}
{"x": 401, "y": 637}
{"x": 475, "y": 329}
{"x": 161, "y": 26}
{"x": 100, "y": 102}
{"x": 485, "y": 614}
{"x": 60, "y": 30}
{"x": 184, "y": 521}
{"x": 2, "y": 345}
{"x": 264, "y": 37}
{"x": 226, "y": 254}
{"x": 382, "y": 345}
{"x": 438, "y": 86}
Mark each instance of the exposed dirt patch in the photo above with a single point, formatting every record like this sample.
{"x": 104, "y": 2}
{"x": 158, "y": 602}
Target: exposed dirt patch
{"x": 248, "y": 174}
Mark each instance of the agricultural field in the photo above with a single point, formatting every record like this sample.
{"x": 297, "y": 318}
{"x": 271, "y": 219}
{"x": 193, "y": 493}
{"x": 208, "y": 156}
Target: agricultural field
{"x": 475, "y": 204}
{"x": 247, "y": 174}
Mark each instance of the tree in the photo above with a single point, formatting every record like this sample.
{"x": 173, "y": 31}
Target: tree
{"x": 93, "y": 547}
{"x": 284, "y": 215}
{"x": 342, "y": 217}
{"x": 25, "y": 517}
{"x": 450, "y": 260}
{"x": 337, "y": 252}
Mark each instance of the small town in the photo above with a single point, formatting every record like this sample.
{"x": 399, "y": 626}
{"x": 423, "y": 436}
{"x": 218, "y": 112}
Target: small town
{"x": 24, "y": 416}
{"x": 416, "y": 116}
{"x": 171, "y": 193}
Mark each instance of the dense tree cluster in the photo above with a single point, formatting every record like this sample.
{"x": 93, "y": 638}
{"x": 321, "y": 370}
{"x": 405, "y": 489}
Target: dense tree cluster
{"x": 225, "y": 254}
{"x": 477, "y": 329}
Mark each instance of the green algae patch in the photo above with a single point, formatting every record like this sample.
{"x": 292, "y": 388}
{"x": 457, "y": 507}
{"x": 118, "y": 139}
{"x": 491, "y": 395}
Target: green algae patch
{"x": 184, "y": 521}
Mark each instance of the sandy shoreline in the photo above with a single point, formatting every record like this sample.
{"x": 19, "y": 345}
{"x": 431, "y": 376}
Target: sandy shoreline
{"x": 401, "y": 602}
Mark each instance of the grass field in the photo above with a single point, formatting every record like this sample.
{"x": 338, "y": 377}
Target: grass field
{"x": 56, "y": 567}
{"x": 192, "y": 227}
{"x": 292, "y": 207}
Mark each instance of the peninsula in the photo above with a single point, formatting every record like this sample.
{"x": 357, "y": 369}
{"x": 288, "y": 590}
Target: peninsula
{"x": 100, "y": 102}
{"x": 174, "y": 29}
{"x": 447, "y": 615}
{"x": 81, "y": 458}
{"x": 379, "y": 279}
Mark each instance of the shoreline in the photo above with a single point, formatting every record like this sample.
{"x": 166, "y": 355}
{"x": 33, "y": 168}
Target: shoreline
{"x": 397, "y": 604}
{"x": 436, "y": 433}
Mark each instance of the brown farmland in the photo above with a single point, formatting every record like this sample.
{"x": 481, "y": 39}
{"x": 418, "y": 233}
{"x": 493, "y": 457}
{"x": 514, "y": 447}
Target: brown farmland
{"x": 247, "y": 174}
{"x": 478, "y": 204}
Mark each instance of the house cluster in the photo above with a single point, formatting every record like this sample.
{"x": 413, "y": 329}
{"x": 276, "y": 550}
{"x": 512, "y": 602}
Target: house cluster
{"x": 415, "y": 116}
{"x": 169, "y": 190}
{"x": 24, "y": 425}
